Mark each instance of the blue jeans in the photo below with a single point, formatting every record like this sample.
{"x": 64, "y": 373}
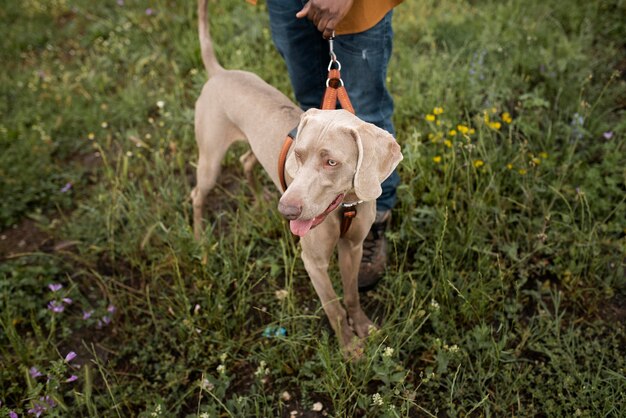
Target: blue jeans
{"x": 364, "y": 58}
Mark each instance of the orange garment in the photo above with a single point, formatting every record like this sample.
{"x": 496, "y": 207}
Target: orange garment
{"x": 364, "y": 15}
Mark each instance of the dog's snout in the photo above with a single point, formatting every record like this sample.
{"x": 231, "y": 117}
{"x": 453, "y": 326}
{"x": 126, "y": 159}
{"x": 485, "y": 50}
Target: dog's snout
{"x": 290, "y": 210}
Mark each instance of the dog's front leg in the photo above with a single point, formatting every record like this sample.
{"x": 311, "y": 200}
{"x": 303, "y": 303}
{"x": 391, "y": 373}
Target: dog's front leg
{"x": 350, "y": 254}
{"x": 316, "y": 256}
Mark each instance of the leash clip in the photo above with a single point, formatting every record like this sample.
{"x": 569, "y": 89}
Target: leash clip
{"x": 331, "y": 52}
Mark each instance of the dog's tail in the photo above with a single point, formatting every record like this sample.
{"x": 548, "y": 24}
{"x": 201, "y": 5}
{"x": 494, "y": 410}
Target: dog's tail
{"x": 206, "y": 46}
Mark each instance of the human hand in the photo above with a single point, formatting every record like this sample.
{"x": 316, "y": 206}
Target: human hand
{"x": 325, "y": 14}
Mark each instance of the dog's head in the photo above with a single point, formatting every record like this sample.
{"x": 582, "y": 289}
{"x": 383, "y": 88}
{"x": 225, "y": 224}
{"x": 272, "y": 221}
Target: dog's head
{"x": 335, "y": 153}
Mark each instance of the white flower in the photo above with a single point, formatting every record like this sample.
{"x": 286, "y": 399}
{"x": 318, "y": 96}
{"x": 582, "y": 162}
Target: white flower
{"x": 221, "y": 369}
{"x": 317, "y": 406}
{"x": 160, "y": 104}
{"x": 388, "y": 352}
{"x": 454, "y": 348}
{"x": 434, "y": 305}
{"x": 377, "y": 400}
{"x": 281, "y": 294}
{"x": 262, "y": 370}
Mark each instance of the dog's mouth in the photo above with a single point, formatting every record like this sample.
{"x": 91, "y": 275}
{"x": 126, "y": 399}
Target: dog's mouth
{"x": 300, "y": 227}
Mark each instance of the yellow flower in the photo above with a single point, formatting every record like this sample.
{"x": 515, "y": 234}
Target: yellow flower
{"x": 495, "y": 125}
{"x": 509, "y": 166}
{"x": 486, "y": 116}
{"x": 438, "y": 110}
{"x": 438, "y": 123}
{"x": 471, "y": 131}
{"x": 521, "y": 171}
{"x": 437, "y": 159}
{"x": 91, "y": 135}
{"x": 506, "y": 117}
{"x": 543, "y": 155}
{"x": 452, "y": 132}
{"x": 494, "y": 110}
{"x": 462, "y": 128}
{"x": 536, "y": 161}
{"x": 447, "y": 143}
{"x": 478, "y": 163}
{"x": 430, "y": 117}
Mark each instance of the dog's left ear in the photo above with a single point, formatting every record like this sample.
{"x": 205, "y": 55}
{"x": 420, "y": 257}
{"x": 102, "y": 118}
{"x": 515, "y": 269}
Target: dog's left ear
{"x": 379, "y": 154}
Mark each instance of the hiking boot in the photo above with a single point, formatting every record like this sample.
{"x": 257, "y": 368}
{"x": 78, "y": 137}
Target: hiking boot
{"x": 374, "y": 253}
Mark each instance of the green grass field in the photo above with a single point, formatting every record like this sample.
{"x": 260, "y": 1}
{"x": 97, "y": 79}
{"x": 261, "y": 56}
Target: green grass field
{"x": 506, "y": 289}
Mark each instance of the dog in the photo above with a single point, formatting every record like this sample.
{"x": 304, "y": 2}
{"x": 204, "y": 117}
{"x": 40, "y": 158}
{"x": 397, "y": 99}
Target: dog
{"x": 336, "y": 159}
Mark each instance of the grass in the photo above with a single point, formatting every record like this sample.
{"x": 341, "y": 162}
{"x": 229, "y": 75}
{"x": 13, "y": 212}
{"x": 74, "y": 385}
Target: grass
{"x": 506, "y": 289}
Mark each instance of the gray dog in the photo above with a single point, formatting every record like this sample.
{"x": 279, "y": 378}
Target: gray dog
{"x": 336, "y": 159}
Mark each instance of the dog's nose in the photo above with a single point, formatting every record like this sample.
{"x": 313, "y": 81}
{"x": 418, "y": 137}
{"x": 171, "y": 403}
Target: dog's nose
{"x": 290, "y": 211}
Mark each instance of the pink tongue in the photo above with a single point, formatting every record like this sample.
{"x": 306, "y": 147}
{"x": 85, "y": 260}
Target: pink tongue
{"x": 300, "y": 227}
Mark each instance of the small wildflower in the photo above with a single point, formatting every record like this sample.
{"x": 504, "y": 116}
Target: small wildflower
{"x": 522, "y": 171}
{"x": 70, "y": 356}
{"x": 377, "y": 400}
{"x": 221, "y": 369}
{"x": 149, "y": 11}
{"x": 447, "y": 143}
{"x": 160, "y": 104}
{"x": 91, "y": 136}
{"x": 438, "y": 110}
{"x": 56, "y": 307}
{"x": 206, "y": 385}
{"x": 506, "y": 117}
{"x": 388, "y": 352}
{"x": 72, "y": 378}
{"x": 104, "y": 125}
{"x": 437, "y": 159}
{"x": 129, "y": 153}
{"x": 12, "y": 414}
{"x": 34, "y": 372}
{"x": 281, "y": 294}
{"x": 87, "y": 315}
{"x": 452, "y": 132}
{"x": 223, "y": 357}
{"x": 434, "y": 305}
{"x": 430, "y": 117}
{"x": 495, "y": 125}
{"x": 67, "y": 301}
{"x": 536, "y": 161}
{"x": 285, "y": 396}
{"x": 494, "y": 110}
{"x": 543, "y": 155}
{"x": 262, "y": 370}
{"x": 608, "y": 135}
{"x": 454, "y": 348}
{"x": 472, "y": 131}
{"x": 462, "y": 128}
{"x": 66, "y": 188}
{"x": 204, "y": 415}
{"x": 111, "y": 309}
{"x": 509, "y": 166}
{"x": 55, "y": 287}
{"x": 478, "y": 163}
{"x": 106, "y": 320}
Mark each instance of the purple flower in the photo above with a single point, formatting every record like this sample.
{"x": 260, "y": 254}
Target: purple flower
{"x": 72, "y": 378}
{"x": 149, "y": 11}
{"x": 120, "y": 2}
{"x": 55, "y": 306}
{"x": 106, "y": 320}
{"x": 66, "y": 188}
{"x": 12, "y": 414}
{"x": 608, "y": 135}
{"x": 87, "y": 315}
{"x": 37, "y": 410}
{"x": 111, "y": 309}
{"x": 67, "y": 301}
{"x": 55, "y": 287}
{"x": 34, "y": 372}
{"x": 70, "y": 356}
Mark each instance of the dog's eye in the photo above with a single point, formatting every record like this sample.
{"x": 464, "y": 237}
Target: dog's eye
{"x": 331, "y": 163}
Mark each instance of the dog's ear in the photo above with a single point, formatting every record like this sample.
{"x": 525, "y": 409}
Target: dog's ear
{"x": 291, "y": 164}
{"x": 379, "y": 154}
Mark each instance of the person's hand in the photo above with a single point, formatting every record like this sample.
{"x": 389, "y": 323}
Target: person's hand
{"x": 325, "y": 14}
